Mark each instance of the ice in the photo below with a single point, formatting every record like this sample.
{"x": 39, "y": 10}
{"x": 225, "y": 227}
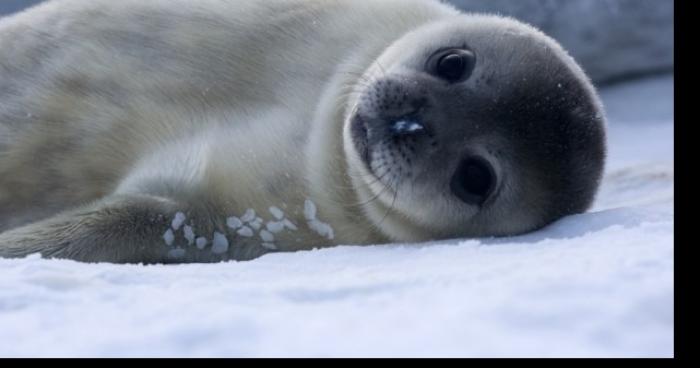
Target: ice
{"x": 319, "y": 227}
{"x": 189, "y": 234}
{"x": 269, "y": 246}
{"x": 219, "y": 243}
{"x": 169, "y": 237}
{"x": 256, "y": 224}
{"x": 309, "y": 210}
{"x": 277, "y": 213}
{"x": 275, "y": 226}
{"x": 246, "y": 232}
{"x": 248, "y": 216}
{"x": 267, "y": 236}
{"x": 323, "y": 229}
{"x": 178, "y": 221}
{"x": 201, "y": 242}
{"x": 289, "y": 225}
{"x": 234, "y": 222}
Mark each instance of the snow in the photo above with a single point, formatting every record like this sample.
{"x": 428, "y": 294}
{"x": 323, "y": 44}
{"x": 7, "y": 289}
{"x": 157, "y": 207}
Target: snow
{"x": 189, "y": 234}
{"x": 178, "y": 221}
{"x": 309, "y": 210}
{"x": 290, "y": 225}
{"x": 600, "y": 284}
{"x": 275, "y": 226}
{"x": 201, "y": 242}
{"x": 321, "y": 228}
{"x": 256, "y": 224}
{"x": 219, "y": 244}
{"x": 248, "y": 216}
{"x": 169, "y": 237}
{"x": 276, "y": 212}
{"x": 267, "y": 236}
{"x": 246, "y": 232}
{"x": 270, "y": 246}
{"x": 234, "y": 222}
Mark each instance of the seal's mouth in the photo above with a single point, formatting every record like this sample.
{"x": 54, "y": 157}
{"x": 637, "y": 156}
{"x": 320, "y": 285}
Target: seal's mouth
{"x": 360, "y": 137}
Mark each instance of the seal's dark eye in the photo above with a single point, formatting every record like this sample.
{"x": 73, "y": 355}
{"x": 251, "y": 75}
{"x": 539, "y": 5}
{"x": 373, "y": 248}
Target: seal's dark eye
{"x": 453, "y": 65}
{"x": 473, "y": 181}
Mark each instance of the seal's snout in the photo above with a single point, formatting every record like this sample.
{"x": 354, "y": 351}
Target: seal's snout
{"x": 393, "y": 127}
{"x": 409, "y": 123}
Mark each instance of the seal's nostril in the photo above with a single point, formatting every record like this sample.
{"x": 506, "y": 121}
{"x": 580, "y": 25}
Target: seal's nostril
{"x": 409, "y": 123}
{"x": 404, "y": 127}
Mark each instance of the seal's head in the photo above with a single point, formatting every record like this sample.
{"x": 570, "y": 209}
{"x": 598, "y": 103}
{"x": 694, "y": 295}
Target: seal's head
{"x": 476, "y": 126}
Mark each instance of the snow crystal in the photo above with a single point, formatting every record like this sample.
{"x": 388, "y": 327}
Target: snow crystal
{"x": 245, "y": 231}
{"x": 277, "y": 213}
{"x": 234, "y": 222}
{"x": 169, "y": 237}
{"x": 201, "y": 242}
{"x": 219, "y": 243}
{"x": 178, "y": 221}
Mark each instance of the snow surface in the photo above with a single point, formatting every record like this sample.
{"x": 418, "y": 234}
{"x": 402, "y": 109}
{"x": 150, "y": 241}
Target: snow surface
{"x": 593, "y": 285}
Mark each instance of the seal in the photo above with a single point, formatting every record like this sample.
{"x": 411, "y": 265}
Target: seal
{"x": 180, "y": 131}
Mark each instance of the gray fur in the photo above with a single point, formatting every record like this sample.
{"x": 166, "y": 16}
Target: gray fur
{"x": 118, "y": 117}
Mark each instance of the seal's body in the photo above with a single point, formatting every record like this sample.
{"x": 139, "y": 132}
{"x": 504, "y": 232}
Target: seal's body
{"x": 180, "y": 131}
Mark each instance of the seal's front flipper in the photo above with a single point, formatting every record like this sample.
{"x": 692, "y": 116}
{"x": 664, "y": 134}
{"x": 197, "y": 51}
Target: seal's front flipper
{"x": 121, "y": 229}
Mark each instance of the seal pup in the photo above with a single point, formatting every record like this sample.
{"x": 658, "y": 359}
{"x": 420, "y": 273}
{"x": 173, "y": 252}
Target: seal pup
{"x": 180, "y": 131}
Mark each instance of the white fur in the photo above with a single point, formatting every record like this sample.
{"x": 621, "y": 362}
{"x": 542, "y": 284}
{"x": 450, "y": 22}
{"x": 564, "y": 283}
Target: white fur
{"x": 240, "y": 103}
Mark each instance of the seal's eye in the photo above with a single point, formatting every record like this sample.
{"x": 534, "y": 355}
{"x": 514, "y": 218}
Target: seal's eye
{"x": 453, "y": 65}
{"x": 473, "y": 181}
